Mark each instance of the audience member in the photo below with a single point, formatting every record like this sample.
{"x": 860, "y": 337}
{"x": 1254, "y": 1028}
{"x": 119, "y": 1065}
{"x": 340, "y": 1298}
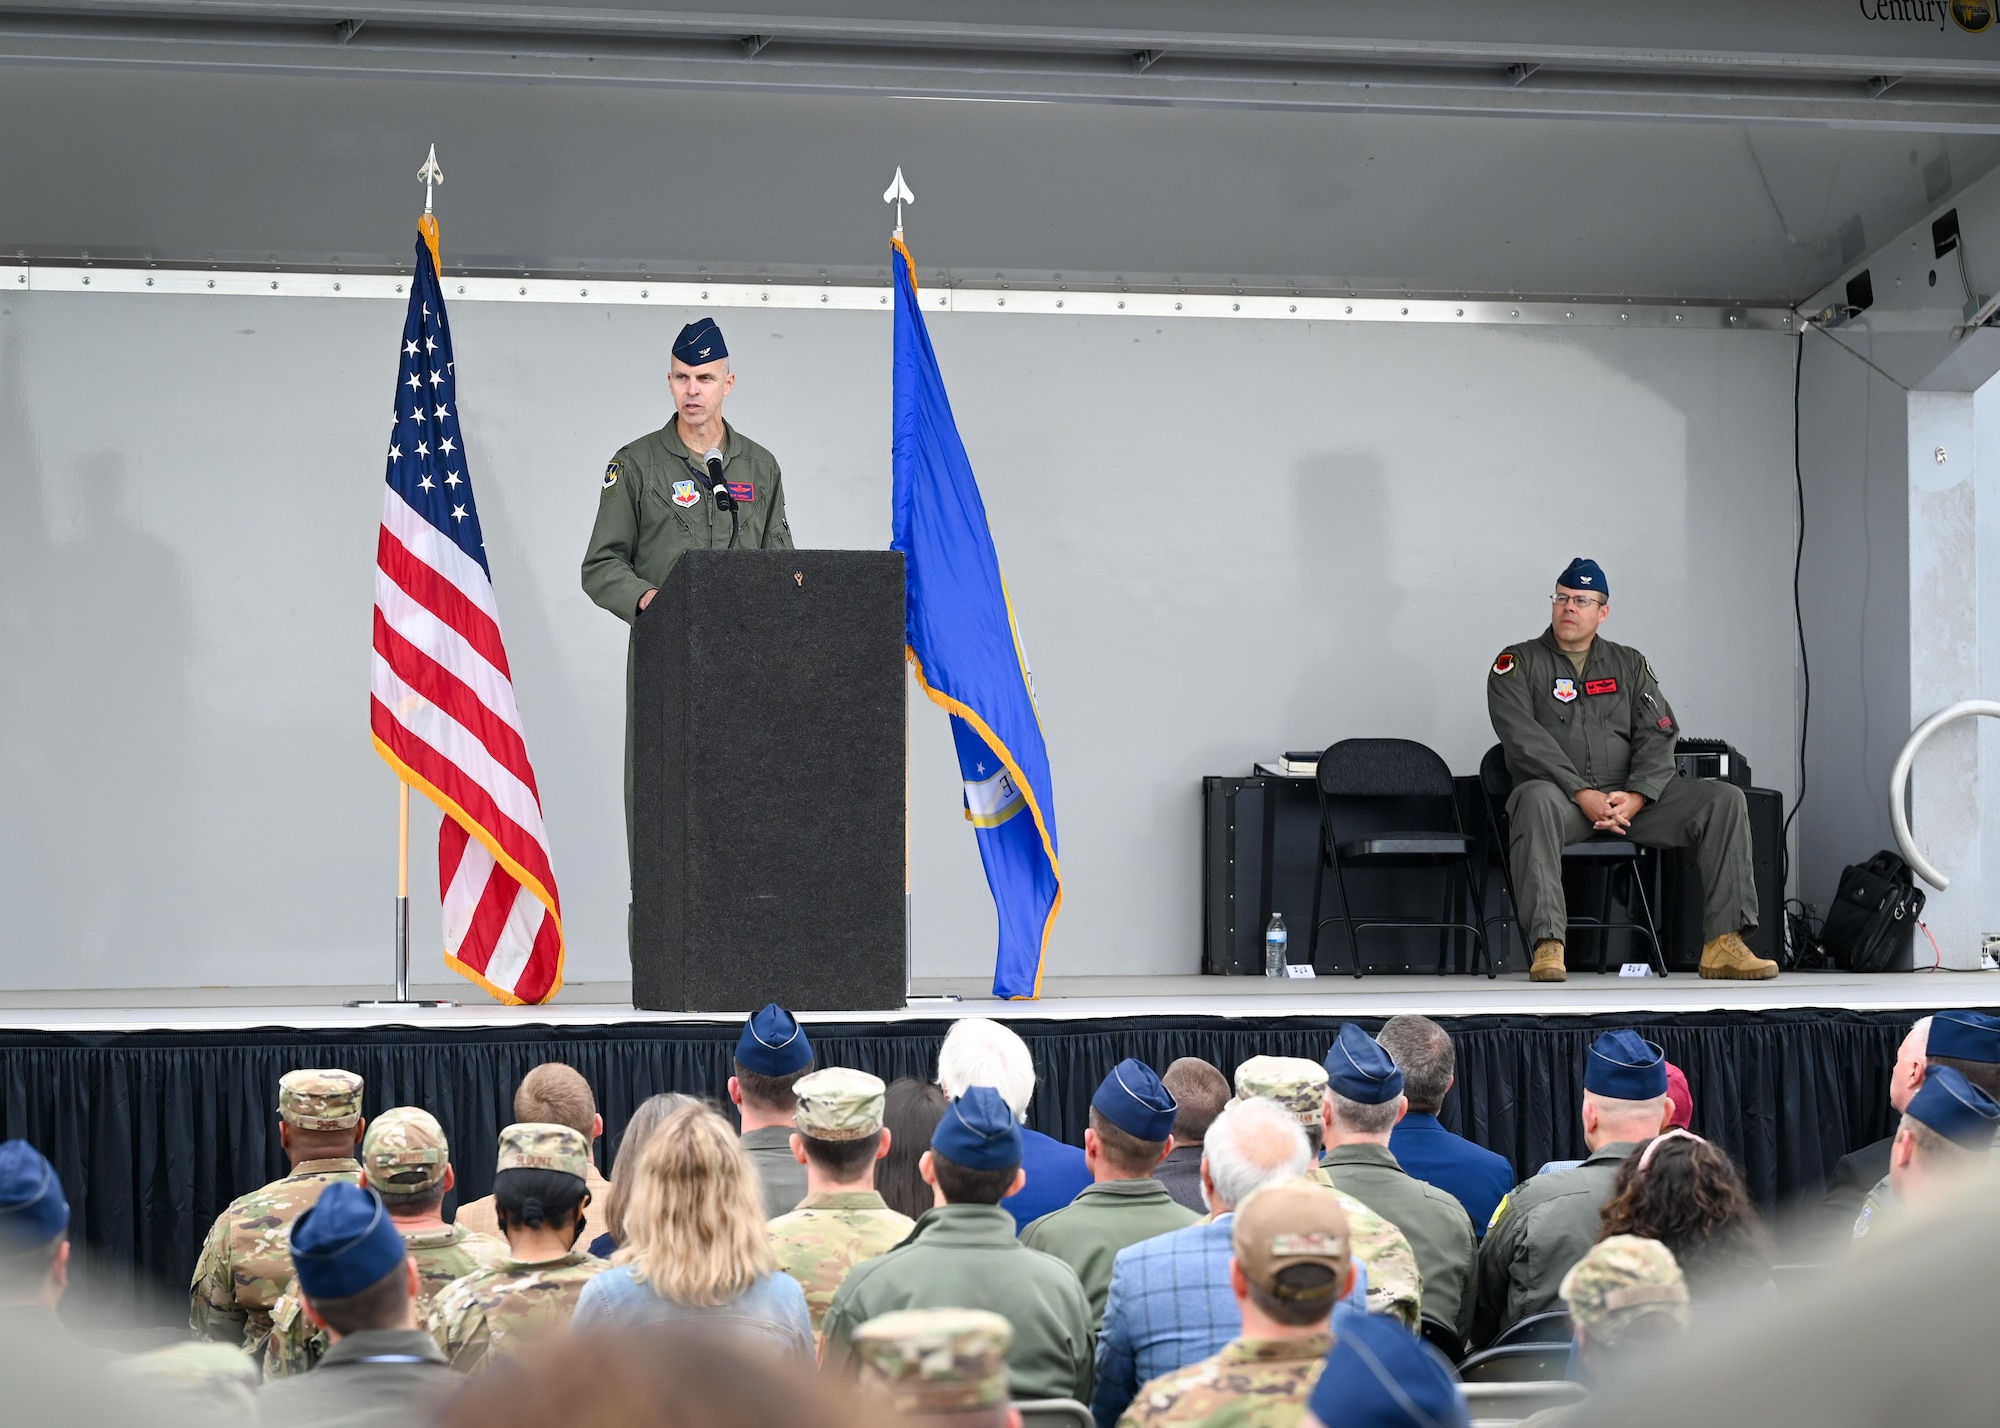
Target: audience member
{"x": 34, "y": 1261}
{"x": 1688, "y": 1195}
{"x": 212, "y": 1384}
{"x": 1478, "y": 1178}
{"x": 1364, "y": 1100}
{"x": 689, "y": 1376}
{"x": 1395, "y": 1284}
{"x": 1201, "y": 1092}
{"x": 1380, "y": 1375}
{"x": 945, "y": 1367}
{"x": 552, "y": 1095}
{"x": 963, "y": 1254}
{"x": 245, "y": 1263}
{"x": 406, "y": 1161}
{"x": 911, "y": 1109}
{"x": 638, "y": 1130}
{"x": 1627, "y": 1301}
{"x": 1680, "y": 1100}
{"x": 771, "y": 1054}
{"x": 697, "y": 1246}
{"x": 361, "y": 1287}
{"x": 1290, "y": 1266}
{"x": 842, "y": 1219}
{"x": 1170, "y": 1302}
{"x": 1547, "y": 1224}
{"x": 540, "y": 1198}
{"x": 1966, "y": 1041}
{"x": 1947, "y": 1130}
{"x": 981, "y": 1052}
{"x": 1130, "y": 1133}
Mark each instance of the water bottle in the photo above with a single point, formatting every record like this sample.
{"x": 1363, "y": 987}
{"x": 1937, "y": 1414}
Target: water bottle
{"x": 1275, "y": 939}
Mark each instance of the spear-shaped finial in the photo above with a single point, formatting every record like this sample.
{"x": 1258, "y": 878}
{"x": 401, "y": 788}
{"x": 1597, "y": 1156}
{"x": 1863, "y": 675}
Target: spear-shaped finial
{"x": 899, "y": 194}
{"x": 431, "y": 174}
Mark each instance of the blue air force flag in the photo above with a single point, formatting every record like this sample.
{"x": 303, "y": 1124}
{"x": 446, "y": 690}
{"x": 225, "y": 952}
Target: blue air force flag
{"x": 961, "y": 640}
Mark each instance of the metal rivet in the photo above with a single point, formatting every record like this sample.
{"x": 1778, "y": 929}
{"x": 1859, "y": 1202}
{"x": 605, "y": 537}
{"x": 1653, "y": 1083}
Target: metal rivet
{"x": 336, "y": 286}
{"x": 274, "y": 287}
{"x": 704, "y": 296}
{"x": 22, "y": 279}
{"x": 1177, "y": 307}
{"x": 585, "y": 291}
{"x": 461, "y": 292}
{"x": 399, "y": 286}
{"x": 1406, "y": 312}
{"x": 1732, "y": 319}
{"x": 1058, "y": 302}
{"x": 1788, "y": 322}
{"x": 1003, "y": 301}
{"x": 1677, "y": 317}
{"x": 1940, "y": 456}
{"x": 822, "y": 297}
{"x": 1349, "y": 309}
{"x": 211, "y": 283}
{"x": 86, "y": 280}
{"x": 1623, "y": 316}
{"x": 149, "y": 283}
{"x": 1121, "y": 302}
{"x": 1293, "y": 308}
{"x": 1236, "y": 307}
{"x": 763, "y": 297}
{"x": 1513, "y": 312}
{"x": 524, "y": 292}
{"x": 1569, "y": 314}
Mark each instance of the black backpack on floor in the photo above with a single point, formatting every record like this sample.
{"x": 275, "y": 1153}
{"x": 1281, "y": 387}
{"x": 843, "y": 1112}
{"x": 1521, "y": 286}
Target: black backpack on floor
{"x": 1873, "y": 921}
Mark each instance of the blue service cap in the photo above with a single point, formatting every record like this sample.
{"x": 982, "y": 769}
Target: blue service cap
{"x": 32, "y": 1208}
{"x": 345, "y": 1243}
{"x": 1626, "y": 1067}
{"x": 1956, "y": 1109}
{"x": 1586, "y": 575}
{"x": 1380, "y": 1375}
{"x": 773, "y": 1043}
{"x": 979, "y": 1132}
{"x": 1964, "y": 1036}
{"x": 700, "y": 342}
{"x": 1358, "y": 1068}
{"x": 1133, "y": 1099}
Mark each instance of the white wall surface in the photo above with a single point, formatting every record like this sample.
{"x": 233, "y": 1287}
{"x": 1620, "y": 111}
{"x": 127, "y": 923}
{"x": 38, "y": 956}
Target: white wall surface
{"x": 1224, "y": 539}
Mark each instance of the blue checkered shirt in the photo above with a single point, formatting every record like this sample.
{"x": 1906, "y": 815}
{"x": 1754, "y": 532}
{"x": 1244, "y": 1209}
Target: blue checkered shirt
{"x": 1171, "y": 1306}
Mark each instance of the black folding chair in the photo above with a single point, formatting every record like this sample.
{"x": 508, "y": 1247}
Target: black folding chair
{"x": 1606, "y": 854}
{"x": 1442, "y": 1337}
{"x": 1517, "y": 1363}
{"x": 1552, "y": 1327}
{"x": 1379, "y": 770}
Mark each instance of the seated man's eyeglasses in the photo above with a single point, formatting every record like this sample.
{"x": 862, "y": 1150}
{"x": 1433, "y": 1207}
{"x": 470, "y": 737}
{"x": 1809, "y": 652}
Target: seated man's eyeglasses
{"x": 1581, "y": 602}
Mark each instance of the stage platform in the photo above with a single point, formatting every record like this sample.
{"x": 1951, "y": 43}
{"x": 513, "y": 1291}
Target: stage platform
{"x": 584, "y": 1004}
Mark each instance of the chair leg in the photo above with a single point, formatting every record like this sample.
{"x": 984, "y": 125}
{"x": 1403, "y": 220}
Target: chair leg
{"x": 1447, "y": 936}
{"x": 1652, "y": 932}
{"x": 1347, "y": 917}
{"x": 1603, "y": 919}
{"x": 1475, "y": 896}
{"x": 1319, "y": 882}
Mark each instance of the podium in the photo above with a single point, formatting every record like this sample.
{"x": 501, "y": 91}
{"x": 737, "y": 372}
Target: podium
{"x": 768, "y": 788}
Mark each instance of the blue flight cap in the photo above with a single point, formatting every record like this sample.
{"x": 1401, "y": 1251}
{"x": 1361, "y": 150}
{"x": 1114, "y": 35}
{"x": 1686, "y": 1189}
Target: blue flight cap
{"x": 1626, "y": 1067}
{"x": 1358, "y": 1068}
{"x": 979, "y": 1132}
{"x": 1956, "y": 1109}
{"x": 32, "y": 1208}
{"x": 1964, "y": 1036}
{"x": 1380, "y": 1375}
{"x": 700, "y": 342}
{"x": 1585, "y": 575}
{"x": 345, "y": 1243}
{"x": 1133, "y": 1099}
{"x": 773, "y": 1043}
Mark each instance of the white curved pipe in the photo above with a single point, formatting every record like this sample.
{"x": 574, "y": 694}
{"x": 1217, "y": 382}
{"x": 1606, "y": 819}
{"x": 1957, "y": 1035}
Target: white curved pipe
{"x": 1899, "y": 779}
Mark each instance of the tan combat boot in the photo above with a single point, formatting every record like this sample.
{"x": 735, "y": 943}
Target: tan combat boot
{"x": 1548, "y": 962}
{"x": 1727, "y": 958}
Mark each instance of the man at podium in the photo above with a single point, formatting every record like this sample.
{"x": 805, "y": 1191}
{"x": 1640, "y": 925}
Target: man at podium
{"x": 658, "y": 498}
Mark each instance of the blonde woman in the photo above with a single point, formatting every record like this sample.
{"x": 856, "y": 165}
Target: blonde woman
{"x": 695, "y": 1244}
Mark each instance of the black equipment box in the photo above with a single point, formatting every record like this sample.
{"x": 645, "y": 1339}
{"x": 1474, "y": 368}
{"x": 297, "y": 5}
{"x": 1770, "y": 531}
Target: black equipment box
{"x": 1711, "y": 758}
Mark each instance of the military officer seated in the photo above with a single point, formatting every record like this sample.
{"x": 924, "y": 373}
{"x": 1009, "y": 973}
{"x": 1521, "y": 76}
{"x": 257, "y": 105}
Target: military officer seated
{"x": 1589, "y": 740}
{"x": 34, "y": 1262}
{"x": 772, "y": 1053}
{"x": 1947, "y": 1130}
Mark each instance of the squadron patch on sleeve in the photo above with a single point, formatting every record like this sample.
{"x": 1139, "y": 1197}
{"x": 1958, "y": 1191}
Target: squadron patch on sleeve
{"x": 1504, "y": 664}
{"x": 611, "y": 476}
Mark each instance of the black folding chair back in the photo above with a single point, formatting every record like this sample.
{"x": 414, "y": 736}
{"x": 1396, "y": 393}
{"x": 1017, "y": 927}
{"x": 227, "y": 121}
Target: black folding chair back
{"x": 1379, "y": 770}
{"x": 1442, "y": 1337}
{"x": 1517, "y": 1363}
{"x": 1552, "y": 1327}
{"x": 1608, "y": 853}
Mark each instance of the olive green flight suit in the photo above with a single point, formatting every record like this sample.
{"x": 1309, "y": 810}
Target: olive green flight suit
{"x": 655, "y": 504}
{"x": 1435, "y": 1224}
{"x": 1608, "y": 728}
{"x": 1104, "y": 1218}
{"x": 1543, "y": 1226}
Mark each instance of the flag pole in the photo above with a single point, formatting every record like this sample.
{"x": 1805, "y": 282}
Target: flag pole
{"x": 432, "y": 175}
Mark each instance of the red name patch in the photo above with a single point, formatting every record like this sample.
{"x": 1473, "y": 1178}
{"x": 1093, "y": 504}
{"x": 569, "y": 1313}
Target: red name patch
{"x": 1600, "y": 686}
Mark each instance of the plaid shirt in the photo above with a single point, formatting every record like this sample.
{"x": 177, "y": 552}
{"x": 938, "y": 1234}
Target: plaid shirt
{"x": 1171, "y": 1306}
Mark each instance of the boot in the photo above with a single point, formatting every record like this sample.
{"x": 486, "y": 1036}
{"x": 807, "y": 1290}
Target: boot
{"x": 1548, "y": 962}
{"x": 1726, "y": 958}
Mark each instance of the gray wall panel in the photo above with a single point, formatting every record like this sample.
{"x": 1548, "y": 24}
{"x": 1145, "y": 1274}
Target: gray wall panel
{"x": 1223, "y": 539}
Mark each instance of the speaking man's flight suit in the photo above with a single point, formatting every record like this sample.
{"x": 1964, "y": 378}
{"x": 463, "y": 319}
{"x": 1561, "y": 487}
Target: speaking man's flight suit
{"x": 655, "y": 504}
{"x": 1605, "y": 725}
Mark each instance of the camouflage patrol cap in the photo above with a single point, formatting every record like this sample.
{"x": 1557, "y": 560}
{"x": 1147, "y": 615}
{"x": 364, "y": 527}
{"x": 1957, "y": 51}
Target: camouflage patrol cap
{"x": 1293, "y": 1082}
{"x": 839, "y": 1104}
{"x": 405, "y": 1152}
{"x": 1622, "y": 1280}
{"x": 537, "y": 1145}
{"x": 1290, "y": 1224}
{"x": 936, "y": 1360}
{"x": 320, "y": 1100}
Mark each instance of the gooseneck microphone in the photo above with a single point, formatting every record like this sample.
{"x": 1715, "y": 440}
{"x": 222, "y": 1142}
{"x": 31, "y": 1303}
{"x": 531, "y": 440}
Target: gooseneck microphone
{"x": 724, "y": 501}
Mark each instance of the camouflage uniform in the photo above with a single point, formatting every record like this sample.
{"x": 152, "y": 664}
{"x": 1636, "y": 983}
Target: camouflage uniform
{"x": 405, "y": 1150}
{"x": 832, "y": 1231}
{"x": 935, "y": 1361}
{"x": 1624, "y": 1279}
{"x": 246, "y": 1260}
{"x": 1254, "y": 1383}
{"x": 500, "y": 1310}
{"x": 1293, "y": 1082}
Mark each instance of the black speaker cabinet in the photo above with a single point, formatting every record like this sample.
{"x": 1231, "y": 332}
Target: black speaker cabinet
{"x": 768, "y": 784}
{"x": 1682, "y": 934}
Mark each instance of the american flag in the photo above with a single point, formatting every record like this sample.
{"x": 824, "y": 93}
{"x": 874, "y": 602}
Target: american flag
{"x": 442, "y": 710}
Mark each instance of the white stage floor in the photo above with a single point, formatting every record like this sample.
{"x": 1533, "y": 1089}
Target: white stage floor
{"x": 1064, "y": 999}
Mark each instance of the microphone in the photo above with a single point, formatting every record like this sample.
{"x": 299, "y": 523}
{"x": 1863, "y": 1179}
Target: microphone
{"x": 713, "y": 459}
